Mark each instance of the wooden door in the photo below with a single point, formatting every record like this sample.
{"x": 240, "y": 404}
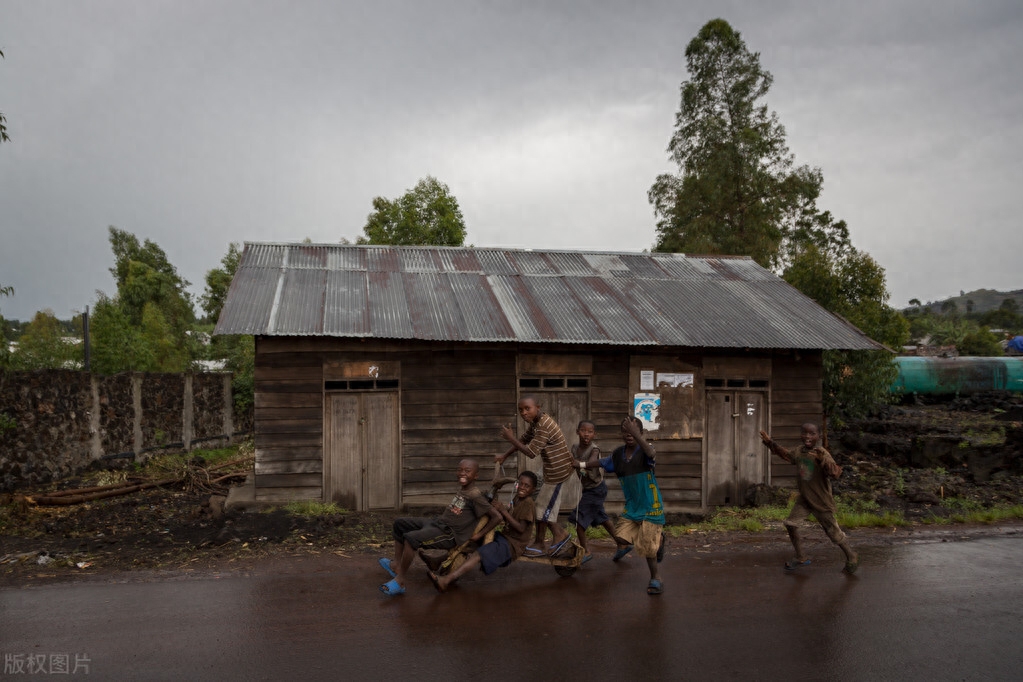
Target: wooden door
{"x": 749, "y": 451}
{"x": 736, "y": 459}
{"x": 361, "y": 450}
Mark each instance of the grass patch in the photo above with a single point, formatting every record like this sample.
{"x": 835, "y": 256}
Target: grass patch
{"x": 992, "y": 515}
{"x": 312, "y": 508}
{"x": 889, "y": 519}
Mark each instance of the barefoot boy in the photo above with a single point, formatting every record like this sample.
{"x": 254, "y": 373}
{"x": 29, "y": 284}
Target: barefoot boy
{"x": 816, "y": 468}
{"x": 447, "y": 531}
{"x": 508, "y": 544}
{"x": 590, "y": 511}
{"x": 543, "y": 437}
{"x": 641, "y": 524}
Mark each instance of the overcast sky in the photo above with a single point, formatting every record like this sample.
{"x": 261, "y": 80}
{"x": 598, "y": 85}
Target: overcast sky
{"x": 200, "y": 123}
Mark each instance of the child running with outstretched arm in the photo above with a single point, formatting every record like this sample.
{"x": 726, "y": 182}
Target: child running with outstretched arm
{"x": 816, "y": 468}
{"x": 641, "y": 524}
{"x": 589, "y": 513}
{"x": 543, "y": 437}
{"x": 508, "y": 544}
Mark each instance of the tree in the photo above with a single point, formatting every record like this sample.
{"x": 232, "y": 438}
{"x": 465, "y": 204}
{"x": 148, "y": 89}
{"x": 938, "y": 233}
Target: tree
{"x": 4, "y": 349}
{"x": 427, "y": 214}
{"x": 218, "y": 281}
{"x": 239, "y": 351}
{"x": 852, "y": 284}
{"x": 738, "y": 190}
{"x": 45, "y": 345}
{"x": 145, "y": 326}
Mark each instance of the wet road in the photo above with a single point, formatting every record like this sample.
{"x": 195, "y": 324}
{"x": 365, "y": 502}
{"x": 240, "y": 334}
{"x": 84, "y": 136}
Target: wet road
{"x": 933, "y": 611}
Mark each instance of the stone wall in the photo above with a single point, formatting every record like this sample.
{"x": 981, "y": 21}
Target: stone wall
{"x": 54, "y": 423}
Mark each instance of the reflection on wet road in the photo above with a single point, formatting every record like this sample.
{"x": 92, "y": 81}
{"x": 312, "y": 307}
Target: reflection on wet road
{"x": 928, "y": 611}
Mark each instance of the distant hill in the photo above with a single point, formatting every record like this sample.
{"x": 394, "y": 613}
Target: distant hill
{"x": 979, "y": 301}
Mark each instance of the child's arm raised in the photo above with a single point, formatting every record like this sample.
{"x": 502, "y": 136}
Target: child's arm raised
{"x": 631, "y": 424}
{"x": 774, "y": 447}
{"x": 517, "y": 445}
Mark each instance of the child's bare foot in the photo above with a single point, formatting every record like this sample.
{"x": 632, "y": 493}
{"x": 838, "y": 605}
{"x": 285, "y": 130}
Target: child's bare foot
{"x": 438, "y": 582}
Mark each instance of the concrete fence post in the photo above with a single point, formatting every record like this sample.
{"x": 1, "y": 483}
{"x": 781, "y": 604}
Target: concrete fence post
{"x": 187, "y": 414}
{"x": 136, "y": 402}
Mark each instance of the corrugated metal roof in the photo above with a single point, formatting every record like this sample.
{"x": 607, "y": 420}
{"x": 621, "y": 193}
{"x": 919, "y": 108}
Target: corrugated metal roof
{"x": 569, "y": 297}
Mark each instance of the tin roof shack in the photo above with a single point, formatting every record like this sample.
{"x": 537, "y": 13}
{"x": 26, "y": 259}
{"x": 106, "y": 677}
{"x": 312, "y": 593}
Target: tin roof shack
{"x": 378, "y": 368}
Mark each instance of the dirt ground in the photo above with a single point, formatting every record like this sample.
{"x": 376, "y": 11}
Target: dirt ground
{"x": 182, "y": 527}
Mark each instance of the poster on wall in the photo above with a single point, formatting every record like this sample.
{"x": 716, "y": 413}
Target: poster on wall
{"x": 675, "y": 380}
{"x": 646, "y": 407}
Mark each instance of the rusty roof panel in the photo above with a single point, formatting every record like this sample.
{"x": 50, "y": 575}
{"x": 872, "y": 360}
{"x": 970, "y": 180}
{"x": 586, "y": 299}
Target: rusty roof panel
{"x": 300, "y": 306}
{"x": 389, "y": 314}
{"x": 465, "y": 294}
{"x": 434, "y": 311}
{"x": 481, "y": 312}
{"x": 346, "y": 309}
{"x": 569, "y": 321}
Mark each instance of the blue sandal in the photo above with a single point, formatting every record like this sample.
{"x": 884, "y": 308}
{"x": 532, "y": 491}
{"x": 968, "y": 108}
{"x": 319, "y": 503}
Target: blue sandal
{"x": 655, "y": 587}
{"x": 793, "y": 564}
{"x": 622, "y": 551}
{"x": 392, "y": 588}
{"x": 385, "y": 564}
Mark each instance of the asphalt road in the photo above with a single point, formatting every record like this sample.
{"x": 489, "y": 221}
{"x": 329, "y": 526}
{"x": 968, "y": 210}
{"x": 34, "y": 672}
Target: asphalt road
{"x": 926, "y": 611}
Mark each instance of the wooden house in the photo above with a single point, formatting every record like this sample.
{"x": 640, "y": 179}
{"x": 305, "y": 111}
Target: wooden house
{"x": 378, "y": 368}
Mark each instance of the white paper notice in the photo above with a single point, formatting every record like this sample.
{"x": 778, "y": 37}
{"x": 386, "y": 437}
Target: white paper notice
{"x": 646, "y": 380}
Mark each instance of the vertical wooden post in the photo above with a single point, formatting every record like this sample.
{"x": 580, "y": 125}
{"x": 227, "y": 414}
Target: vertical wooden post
{"x": 96, "y": 449}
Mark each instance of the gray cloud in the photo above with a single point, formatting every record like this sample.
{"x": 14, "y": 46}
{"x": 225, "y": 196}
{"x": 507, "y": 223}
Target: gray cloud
{"x": 197, "y": 124}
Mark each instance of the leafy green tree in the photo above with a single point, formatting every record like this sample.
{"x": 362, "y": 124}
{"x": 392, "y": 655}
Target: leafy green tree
{"x": 218, "y": 281}
{"x": 738, "y": 190}
{"x": 46, "y": 345}
{"x": 4, "y": 350}
{"x": 117, "y": 344}
{"x": 427, "y": 214}
{"x": 852, "y": 284}
{"x": 145, "y": 327}
{"x": 238, "y": 351}
{"x": 980, "y": 341}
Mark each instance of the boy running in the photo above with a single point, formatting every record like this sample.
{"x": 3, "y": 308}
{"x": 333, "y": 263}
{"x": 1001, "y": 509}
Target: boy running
{"x": 816, "y": 468}
{"x": 543, "y": 437}
{"x": 590, "y": 511}
{"x": 641, "y": 524}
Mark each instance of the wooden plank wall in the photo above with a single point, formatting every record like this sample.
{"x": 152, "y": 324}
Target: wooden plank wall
{"x": 288, "y": 421}
{"x": 453, "y": 403}
{"x": 679, "y": 462}
{"x": 796, "y": 398}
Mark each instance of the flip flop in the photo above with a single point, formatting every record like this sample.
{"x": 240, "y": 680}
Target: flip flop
{"x": 851, "y": 566}
{"x": 385, "y": 564}
{"x": 532, "y": 551}
{"x": 392, "y": 589}
{"x": 793, "y": 564}
{"x": 436, "y": 582}
{"x": 622, "y": 551}
{"x": 655, "y": 587}
{"x": 585, "y": 559}
{"x": 558, "y": 547}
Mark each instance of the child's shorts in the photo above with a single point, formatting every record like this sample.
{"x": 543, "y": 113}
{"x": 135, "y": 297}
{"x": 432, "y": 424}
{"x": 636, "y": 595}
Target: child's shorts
{"x": 548, "y": 502}
{"x": 590, "y": 512}
{"x": 425, "y": 533}
{"x": 495, "y": 555}
{"x": 646, "y": 536}
{"x": 800, "y": 510}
